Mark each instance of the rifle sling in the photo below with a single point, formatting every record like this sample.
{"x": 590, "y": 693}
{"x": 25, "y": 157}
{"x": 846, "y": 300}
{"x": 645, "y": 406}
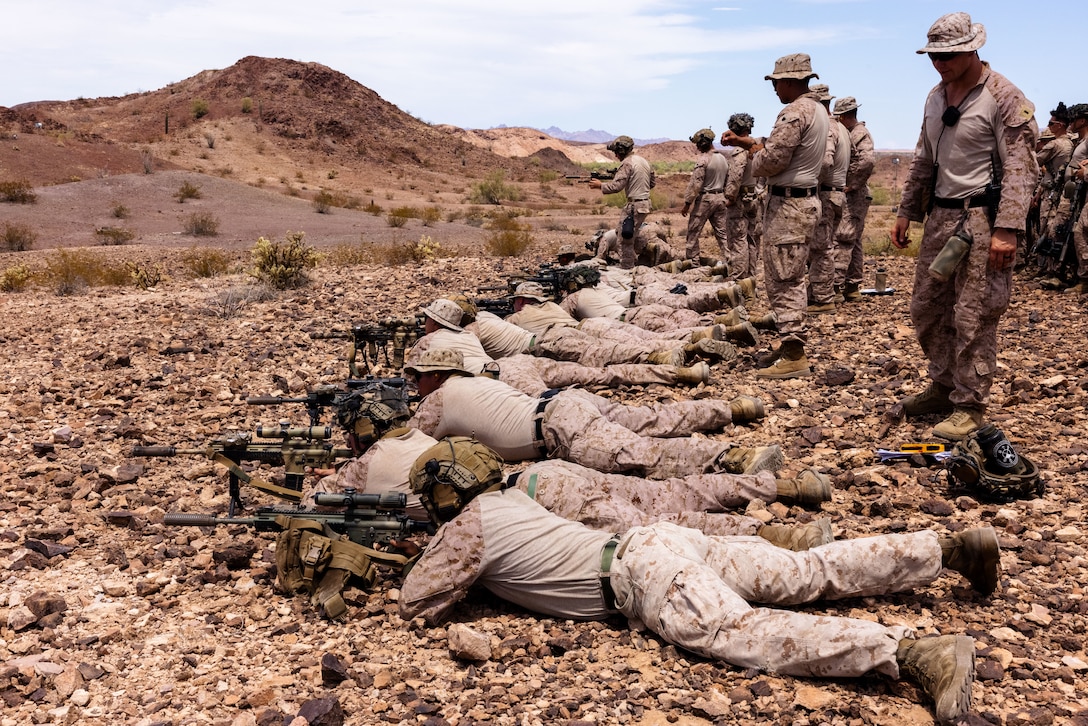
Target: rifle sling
{"x": 265, "y": 486}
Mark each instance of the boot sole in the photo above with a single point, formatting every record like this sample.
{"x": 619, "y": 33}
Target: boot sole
{"x": 956, "y": 702}
{"x": 989, "y": 556}
{"x": 771, "y": 459}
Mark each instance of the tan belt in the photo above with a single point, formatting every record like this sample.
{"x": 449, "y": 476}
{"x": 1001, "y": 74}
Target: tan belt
{"x": 608, "y": 554}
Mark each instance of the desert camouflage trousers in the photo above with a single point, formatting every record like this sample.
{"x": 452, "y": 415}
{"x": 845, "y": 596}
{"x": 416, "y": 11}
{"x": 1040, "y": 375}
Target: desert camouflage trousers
{"x": 701, "y": 299}
{"x": 695, "y": 591}
{"x": 575, "y": 429}
{"x": 664, "y": 318}
{"x": 708, "y": 208}
{"x": 533, "y": 375}
{"x": 616, "y": 502}
{"x": 789, "y": 229}
{"x": 745, "y": 225}
{"x": 612, "y": 329}
{"x": 956, "y": 321}
{"x": 667, "y": 419}
{"x": 631, "y": 249}
{"x": 570, "y": 344}
{"x": 1080, "y": 243}
{"x": 849, "y": 251}
{"x": 821, "y": 253}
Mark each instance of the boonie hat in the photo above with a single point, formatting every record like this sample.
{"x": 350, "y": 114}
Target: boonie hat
{"x": 822, "y": 91}
{"x": 567, "y": 251}
{"x": 439, "y": 359}
{"x": 797, "y": 66}
{"x": 445, "y": 312}
{"x": 1046, "y": 134}
{"x": 845, "y": 105}
{"x": 531, "y": 290}
{"x": 954, "y": 33}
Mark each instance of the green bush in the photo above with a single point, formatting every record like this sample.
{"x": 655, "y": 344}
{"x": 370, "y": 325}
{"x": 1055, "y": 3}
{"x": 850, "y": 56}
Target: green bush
{"x": 15, "y": 278}
{"x": 247, "y": 105}
{"x": 283, "y": 265}
{"x": 202, "y": 262}
{"x": 508, "y": 237}
{"x": 202, "y": 224}
{"x": 114, "y": 235}
{"x": 188, "y": 190}
{"x": 494, "y": 190}
{"x": 19, "y": 192}
{"x": 18, "y": 237}
{"x": 144, "y": 276}
{"x": 373, "y": 209}
{"x": 199, "y": 108}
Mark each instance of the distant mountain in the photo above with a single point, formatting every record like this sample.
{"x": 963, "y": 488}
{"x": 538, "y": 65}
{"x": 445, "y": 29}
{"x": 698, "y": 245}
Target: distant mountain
{"x": 592, "y": 136}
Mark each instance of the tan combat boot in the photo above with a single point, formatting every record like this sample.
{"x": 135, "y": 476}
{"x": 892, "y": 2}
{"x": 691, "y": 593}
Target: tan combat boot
{"x": 944, "y": 666}
{"x": 741, "y": 460}
{"x": 932, "y": 400}
{"x": 719, "y": 270}
{"x": 810, "y": 488}
{"x": 693, "y": 376}
{"x": 798, "y": 537}
{"x": 743, "y": 333}
{"x": 962, "y": 422}
{"x": 736, "y": 316}
{"x": 668, "y": 357}
{"x": 1081, "y": 288}
{"x": 746, "y": 409}
{"x": 851, "y": 292}
{"x": 711, "y": 332}
{"x": 747, "y": 288}
{"x": 731, "y": 296}
{"x": 716, "y": 350}
{"x": 820, "y": 308}
{"x": 975, "y": 554}
{"x": 791, "y": 362}
{"x": 765, "y": 322}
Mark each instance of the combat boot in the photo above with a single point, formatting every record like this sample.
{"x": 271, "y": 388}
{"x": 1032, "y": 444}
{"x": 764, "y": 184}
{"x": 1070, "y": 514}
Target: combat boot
{"x": 944, "y": 666}
{"x": 791, "y": 362}
{"x": 820, "y": 308}
{"x": 932, "y": 400}
{"x": 736, "y": 316}
{"x": 712, "y": 332}
{"x": 810, "y": 488}
{"x": 746, "y": 409}
{"x": 851, "y": 292}
{"x": 765, "y": 322}
{"x": 747, "y": 288}
{"x": 975, "y": 554}
{"x": 731, "y": 296}
{"x": 717, "y": 350}
{"x": 709, "y": 261}
{"x": 719, "y": 270}
{"x": 741, "y": 460}
{"x": 693, "y": 376}
{"x": 1079, "y": 289}
{"x": 798, "y": 537}
{"x": 668, "y": 357}
{"x": 962, "y": 422}
{"x": 743, "y": 333}
{"x": 676, "y": 266}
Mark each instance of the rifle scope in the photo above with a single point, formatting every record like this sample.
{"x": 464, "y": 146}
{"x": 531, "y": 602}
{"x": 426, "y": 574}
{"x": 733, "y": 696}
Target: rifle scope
{"x": 349, "y": 498}
{"x": 285, "y": 431}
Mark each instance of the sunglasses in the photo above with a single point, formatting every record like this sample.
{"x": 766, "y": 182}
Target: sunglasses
{"x": 943, "y": 57}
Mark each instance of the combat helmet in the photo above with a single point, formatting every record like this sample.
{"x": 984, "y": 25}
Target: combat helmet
{"x": 369, "y": 413}
{"x": 703, "y": 137}
{"x": 452, "y": 473}
{"x": 621, "y": 145}
{"x": 741, "y": 122}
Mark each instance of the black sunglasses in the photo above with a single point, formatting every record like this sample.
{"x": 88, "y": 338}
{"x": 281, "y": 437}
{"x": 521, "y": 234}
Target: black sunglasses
{"x": 943, "y": 57}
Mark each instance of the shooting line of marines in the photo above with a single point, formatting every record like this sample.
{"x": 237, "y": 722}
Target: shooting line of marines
{"x": 575, "y": 506}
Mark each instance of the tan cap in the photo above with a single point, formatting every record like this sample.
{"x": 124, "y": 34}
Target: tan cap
{"x": 439, "y": 359}
{"x": 445, "y": 312}
{"x": 821, "y": 90}
{"x": 954, "y": 33}
{"x": 845, "y": 105}
{"x": 531, "y": 290}
{"x": 797, "y": 66}
{"x": 1046, "y": 134}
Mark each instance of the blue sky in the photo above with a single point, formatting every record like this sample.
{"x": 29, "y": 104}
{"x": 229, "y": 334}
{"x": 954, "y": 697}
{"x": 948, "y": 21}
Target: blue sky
{"x": 644, "y": 68}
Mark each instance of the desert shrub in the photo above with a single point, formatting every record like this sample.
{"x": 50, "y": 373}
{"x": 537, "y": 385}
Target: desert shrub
{"x": 15, "y": 278}
{"x": 395, "y": 220}
{"x": 547, "y": 175}
{"x": 114, "y": 235}
{"x": 508, "y": 237}
{"x": 474, "y": 216}
{"x": 202, "y": 224}
{"x": 493, "y": 190}
{"x": 19, "y": 192}
{"x": 202, "y": 262}
{"x": 17, "y": 237}
{"x": 425, "y": 250}
{"x": 209, "y": 139}
{"x": 659, "y": 200}
{"x": 247, "y": 105}
{"x": 348, "y": 255}
{"x": 144, "y": 276}
{"x": 229, "y": 303}
{"x": 373, "y": 209}
{"x": 68, "y": 272}
{"x": 147, "y": 159}
{"x": 617, "y": 200}
{"x": 430, "y": 215}
{"x": 283, "y": 265}
{"x": 199, "y": 108}
{"x": 322, "y": 202}
{"x": 188, "y": 190}
{"x": 120, "y": 211}
{"x": 881, "y": 195}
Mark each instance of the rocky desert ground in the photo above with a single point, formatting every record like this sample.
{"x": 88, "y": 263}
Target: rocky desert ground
{"x": 108, "y": 616}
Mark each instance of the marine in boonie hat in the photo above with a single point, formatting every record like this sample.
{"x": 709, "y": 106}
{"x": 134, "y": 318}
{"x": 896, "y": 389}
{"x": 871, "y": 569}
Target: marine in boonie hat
{"x": 954, "y": 33}
{"x": 530, "y": 291}
{"x": 846, "y": 104}
{"x": 1046, "y": 134}
{"x": 445, "y": 312}
{"x": 797, "y": 66}
{"x": 439, "y": 359}
{"x": 822, "y": 91}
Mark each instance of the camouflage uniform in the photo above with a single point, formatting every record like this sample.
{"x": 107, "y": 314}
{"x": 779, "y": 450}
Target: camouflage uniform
{"x": 636, "y": 178}
{"x": 596, "y": 303}
{"x": 745, "y": 215}
{"x": 791, "y": 161}
{"x": 651, "y": 246}
{"x": 576, "y": 426}
{"x": 821, "y": 259}
{"x": 956, "y": 321}
{"x": 705, "y": 194}
{"x": 1053, "y": 160}
{"x": 692, "y": 589}
{"x": 850, "y": 256}
{"x": 540, "y": 317}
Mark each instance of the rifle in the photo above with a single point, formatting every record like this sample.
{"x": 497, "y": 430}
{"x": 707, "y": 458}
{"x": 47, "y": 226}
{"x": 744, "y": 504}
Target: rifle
{"x": 402, "y": 333}
{"x": 367, "y": 519}
{"x": 297, "y": 449}
{"x": 1060, "y": 247}
{"x": 501, "y": 306}
{"x": 370, "y": 388}
{"x": 599, "y": 174}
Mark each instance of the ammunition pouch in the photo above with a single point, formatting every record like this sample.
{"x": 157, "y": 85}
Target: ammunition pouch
{"x": 627, "y": 228}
